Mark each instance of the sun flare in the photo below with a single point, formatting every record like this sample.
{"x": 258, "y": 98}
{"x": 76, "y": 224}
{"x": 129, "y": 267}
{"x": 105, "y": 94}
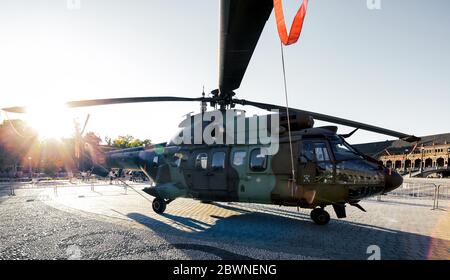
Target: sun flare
{"x": 50, "y": 120}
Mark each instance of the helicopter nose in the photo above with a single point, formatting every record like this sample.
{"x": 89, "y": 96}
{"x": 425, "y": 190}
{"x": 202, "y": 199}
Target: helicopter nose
{"x": 393, "y": 181}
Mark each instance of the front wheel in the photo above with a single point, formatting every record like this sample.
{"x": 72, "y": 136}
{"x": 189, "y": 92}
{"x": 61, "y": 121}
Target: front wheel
{"x": 159, "y": 205}
{"x": 320, "y": 216}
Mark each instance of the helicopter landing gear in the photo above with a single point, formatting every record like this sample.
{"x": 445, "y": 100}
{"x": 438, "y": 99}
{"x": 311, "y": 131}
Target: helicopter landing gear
{"x": 320, "y": 216}
{"x": 159, "y": 205}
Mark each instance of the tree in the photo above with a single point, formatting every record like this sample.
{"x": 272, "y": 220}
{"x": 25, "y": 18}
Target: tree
{"x": 17, "y": 142}
{"x": 128, "y": 141}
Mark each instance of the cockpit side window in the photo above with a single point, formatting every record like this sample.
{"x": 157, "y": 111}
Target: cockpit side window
{"x": 321, "y": 152}
{"x": 307, "y": 152}
{"x": 316, "y": 166}
{"x": 314, "y": 151}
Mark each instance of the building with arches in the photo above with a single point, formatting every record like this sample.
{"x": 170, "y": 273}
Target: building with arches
{"x": 432, "y": 152}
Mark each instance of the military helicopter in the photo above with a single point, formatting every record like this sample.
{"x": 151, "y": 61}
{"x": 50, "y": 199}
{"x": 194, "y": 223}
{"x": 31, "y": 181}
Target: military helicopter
{"x": 312, "y": 167}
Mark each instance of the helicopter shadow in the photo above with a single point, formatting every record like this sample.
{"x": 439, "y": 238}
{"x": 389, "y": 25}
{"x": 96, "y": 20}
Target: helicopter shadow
{"x": 289, "y": 234}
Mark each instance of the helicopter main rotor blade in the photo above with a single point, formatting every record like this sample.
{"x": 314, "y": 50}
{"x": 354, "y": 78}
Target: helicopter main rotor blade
{"x": 241, "y": 25}
{"x": 331, "y": 119}
{"x": 110, "y": 101}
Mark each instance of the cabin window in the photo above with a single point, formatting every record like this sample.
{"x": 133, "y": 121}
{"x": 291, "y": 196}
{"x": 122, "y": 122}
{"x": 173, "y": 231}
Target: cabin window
{"x": 258, "y": 160}
{"x": 239, "y": 158}
{"x": 176, "y": 161}
{"x": 201, "y": 161}
{"x": 178, "y": 158}
{"x": 218, "y": 161}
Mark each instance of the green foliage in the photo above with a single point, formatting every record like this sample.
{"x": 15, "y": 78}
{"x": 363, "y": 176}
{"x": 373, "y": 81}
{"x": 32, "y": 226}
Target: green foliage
{"x": 129, "y": 141}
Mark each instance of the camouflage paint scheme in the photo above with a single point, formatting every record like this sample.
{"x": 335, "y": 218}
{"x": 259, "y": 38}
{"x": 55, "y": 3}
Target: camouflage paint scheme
{"x": 177, "y": 171}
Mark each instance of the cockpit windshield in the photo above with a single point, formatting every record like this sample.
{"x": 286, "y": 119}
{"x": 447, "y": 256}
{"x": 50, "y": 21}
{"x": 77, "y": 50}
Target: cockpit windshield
{"x": 342, "y": 150}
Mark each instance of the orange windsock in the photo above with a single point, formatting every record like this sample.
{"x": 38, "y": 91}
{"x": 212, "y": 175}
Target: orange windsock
{"x": 297, "y": 24}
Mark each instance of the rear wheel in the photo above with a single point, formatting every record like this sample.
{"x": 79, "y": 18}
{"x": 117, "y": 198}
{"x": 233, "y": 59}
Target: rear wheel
{"x": 159, "y": 205}
{"x": 320, "y": 216}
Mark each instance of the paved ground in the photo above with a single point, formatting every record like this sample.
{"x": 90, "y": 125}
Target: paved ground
{"x": 109, "y": 222}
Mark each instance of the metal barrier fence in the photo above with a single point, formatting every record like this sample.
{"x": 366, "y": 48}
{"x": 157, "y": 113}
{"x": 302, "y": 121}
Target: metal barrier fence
{"x": 437, "y": 196}
{"x": 12, "y": 184}
{"x": 420, "y": 192}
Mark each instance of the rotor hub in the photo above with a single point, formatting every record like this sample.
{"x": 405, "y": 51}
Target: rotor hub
{"x": 223, "y": 98}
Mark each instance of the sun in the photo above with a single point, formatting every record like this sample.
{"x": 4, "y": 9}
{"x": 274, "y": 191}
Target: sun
{"x": 50, "y": 120}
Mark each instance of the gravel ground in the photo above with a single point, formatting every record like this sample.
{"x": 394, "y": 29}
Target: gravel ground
{"x": 106, "y": 224}
{"x": 31, "y": 229}
{"x": 34, "y": 230}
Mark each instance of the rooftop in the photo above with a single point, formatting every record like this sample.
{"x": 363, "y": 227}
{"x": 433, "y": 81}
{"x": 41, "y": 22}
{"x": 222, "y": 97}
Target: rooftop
{"x": 398, "y": 146}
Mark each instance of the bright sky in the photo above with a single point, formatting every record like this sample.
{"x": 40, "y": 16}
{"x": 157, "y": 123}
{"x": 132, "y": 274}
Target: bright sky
{"x": 388, "y": 67}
